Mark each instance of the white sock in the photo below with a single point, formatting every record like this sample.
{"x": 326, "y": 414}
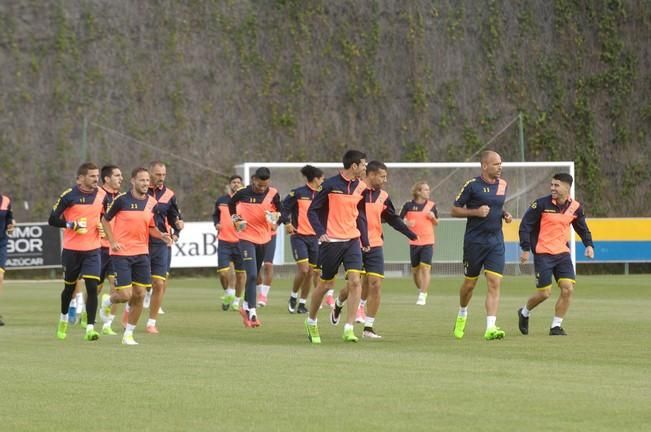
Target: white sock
{"x": 264, "y": 289}
{"x": 230, "y": 291}
{"x": 525, "y": 312}
{"x": 463, "y": 311}
{"x": 90, "y": 328}
{"x": 80, "y": 301}
{"x": 73, "y": 303}
{"x": 557, "y": 321}
{"x": 127, "y": 308}
{"x": 258, "y": 289}
{"x": 130, "y": 328}
{"x": 490, "y": 321}
{"x": 369, "y": 321}
{"x": 311, "y": 321}
{"x": 252, "y": 312}
{"x": 362, "y": 303}
{"x": 236, "y": 302}
{"x": 293, "y": 295}
{"x": 348, "y": 327}
{"x": 339, "y": 304}
{"x": 302, "y": 301}
{"x": 106, "y": 302}
{"x": 64, "y": 317}
{"x": 245, "y": 305}
{"x": 331, "y": 292}
{"x": 151, "y": 322}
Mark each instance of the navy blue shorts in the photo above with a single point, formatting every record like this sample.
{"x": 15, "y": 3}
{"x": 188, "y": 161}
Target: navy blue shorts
{"x": 270, "y": 250}
{"x": 228, "y": 252}
{"x": 333, "y": 254}
{"x": 3, "y": 253}
{"x": 80, "y": 264}
{"x": 159, "y": 255}
{"x": 374, "y": 261}
{"x": 560, "y": 266}
{"x": 488, "y": 255}
{"x": 305, "y": 248}
{"x": 421, "y": 255}
{"x": 131, "y": 270}
{"x": 106, "y": 268}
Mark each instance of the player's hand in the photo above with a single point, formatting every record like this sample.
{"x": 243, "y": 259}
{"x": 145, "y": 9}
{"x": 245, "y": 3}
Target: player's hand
{"x": 483, "y": 211}
{"x": 508, "y": 217}
{"x": 524, "y": 257}
{"x": 179, "y": 224}
{"x": 78, "y": 226}
{"x": 175, "y": 238}
{"x": 409, "y": 223}
{"x": 116, "y": 246}
{"x": 167, "y": 239}
{"x": 238, "y": 223}
{"x": 324, "y": 238}
{"x": 366, "y": 249}
{"x": 589, "y": 252}
{"x": 218, "y": 227}
{"x": 290, "y": 229}
{"x": 10, "y": 228}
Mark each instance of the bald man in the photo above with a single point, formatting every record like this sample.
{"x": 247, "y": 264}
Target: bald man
{"x": 481, "y": 201}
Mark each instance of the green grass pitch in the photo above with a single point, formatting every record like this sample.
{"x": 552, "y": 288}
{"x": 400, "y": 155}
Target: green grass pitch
{"x": 206, "y": 372}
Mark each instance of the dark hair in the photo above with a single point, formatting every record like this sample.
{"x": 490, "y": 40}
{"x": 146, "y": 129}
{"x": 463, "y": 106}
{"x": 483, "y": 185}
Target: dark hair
{"x": 375, "y": 166}
{"x": 311, "y": 172}
{"x": 564, "y": 177}
{"x": 156, "y": 163}
{"x": 137, "y": 171}
{"x": 234, "y": 176}
{"x": 351, "y": 157}
{"x": 85, "y": 167}
{"x": 107, "y": 171}
{"x": 262, "y": 173}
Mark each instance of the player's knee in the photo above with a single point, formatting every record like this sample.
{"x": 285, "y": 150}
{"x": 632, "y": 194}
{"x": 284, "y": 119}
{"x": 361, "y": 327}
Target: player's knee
{"x": 546, "y": 293}
{"x": 567, "y": 289}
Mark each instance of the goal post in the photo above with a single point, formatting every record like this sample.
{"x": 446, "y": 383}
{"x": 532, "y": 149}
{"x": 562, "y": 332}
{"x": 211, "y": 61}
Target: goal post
{"x": 527, "y": 181}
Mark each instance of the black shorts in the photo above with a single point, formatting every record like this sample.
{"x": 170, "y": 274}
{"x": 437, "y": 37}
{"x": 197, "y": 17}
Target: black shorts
{"x": 489, "y": 255}
{"x": 228, "y": 252}
{"x": 80, "y": 264}
{"x": 159, "y": 255}
{"x": 305, "y": 248}
{"x": 106, "y": 266}
{"x": 374, "y": 261}
{"x": 132, "y": 270}
{"x": 560, "y": 266}
{"x": 421, "y": 254}
{"x": 333, "y": 254}
{"x": 270, "y": 250}
{"x": 3, "y": 253}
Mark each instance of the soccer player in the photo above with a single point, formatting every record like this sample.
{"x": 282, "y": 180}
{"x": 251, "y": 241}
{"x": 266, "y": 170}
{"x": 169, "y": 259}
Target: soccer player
{"x": 167, "y": 216}
{"x": 378, "y": 208}
{"x": 129, "y": 238}
{"x": 7, "y": 225}
{"x": 228, "y": 250}
{"x": 305, "y": 244}
{"x": 78, "y": 210}
{"x": 255, "y": 211}
{"x": 422, "y": 217}
{"x": 337, "y": 215}
{"x": 481, "y": 201}
{"x": 545, "y": 229}
{"x": 111, "y": 183}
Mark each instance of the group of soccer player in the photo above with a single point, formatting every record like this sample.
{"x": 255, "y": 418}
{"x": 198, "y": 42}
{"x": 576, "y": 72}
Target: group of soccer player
{"x": 127, "y": 238}
{"x": 339, "y": 222}
{"x": 123, "y": 237}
